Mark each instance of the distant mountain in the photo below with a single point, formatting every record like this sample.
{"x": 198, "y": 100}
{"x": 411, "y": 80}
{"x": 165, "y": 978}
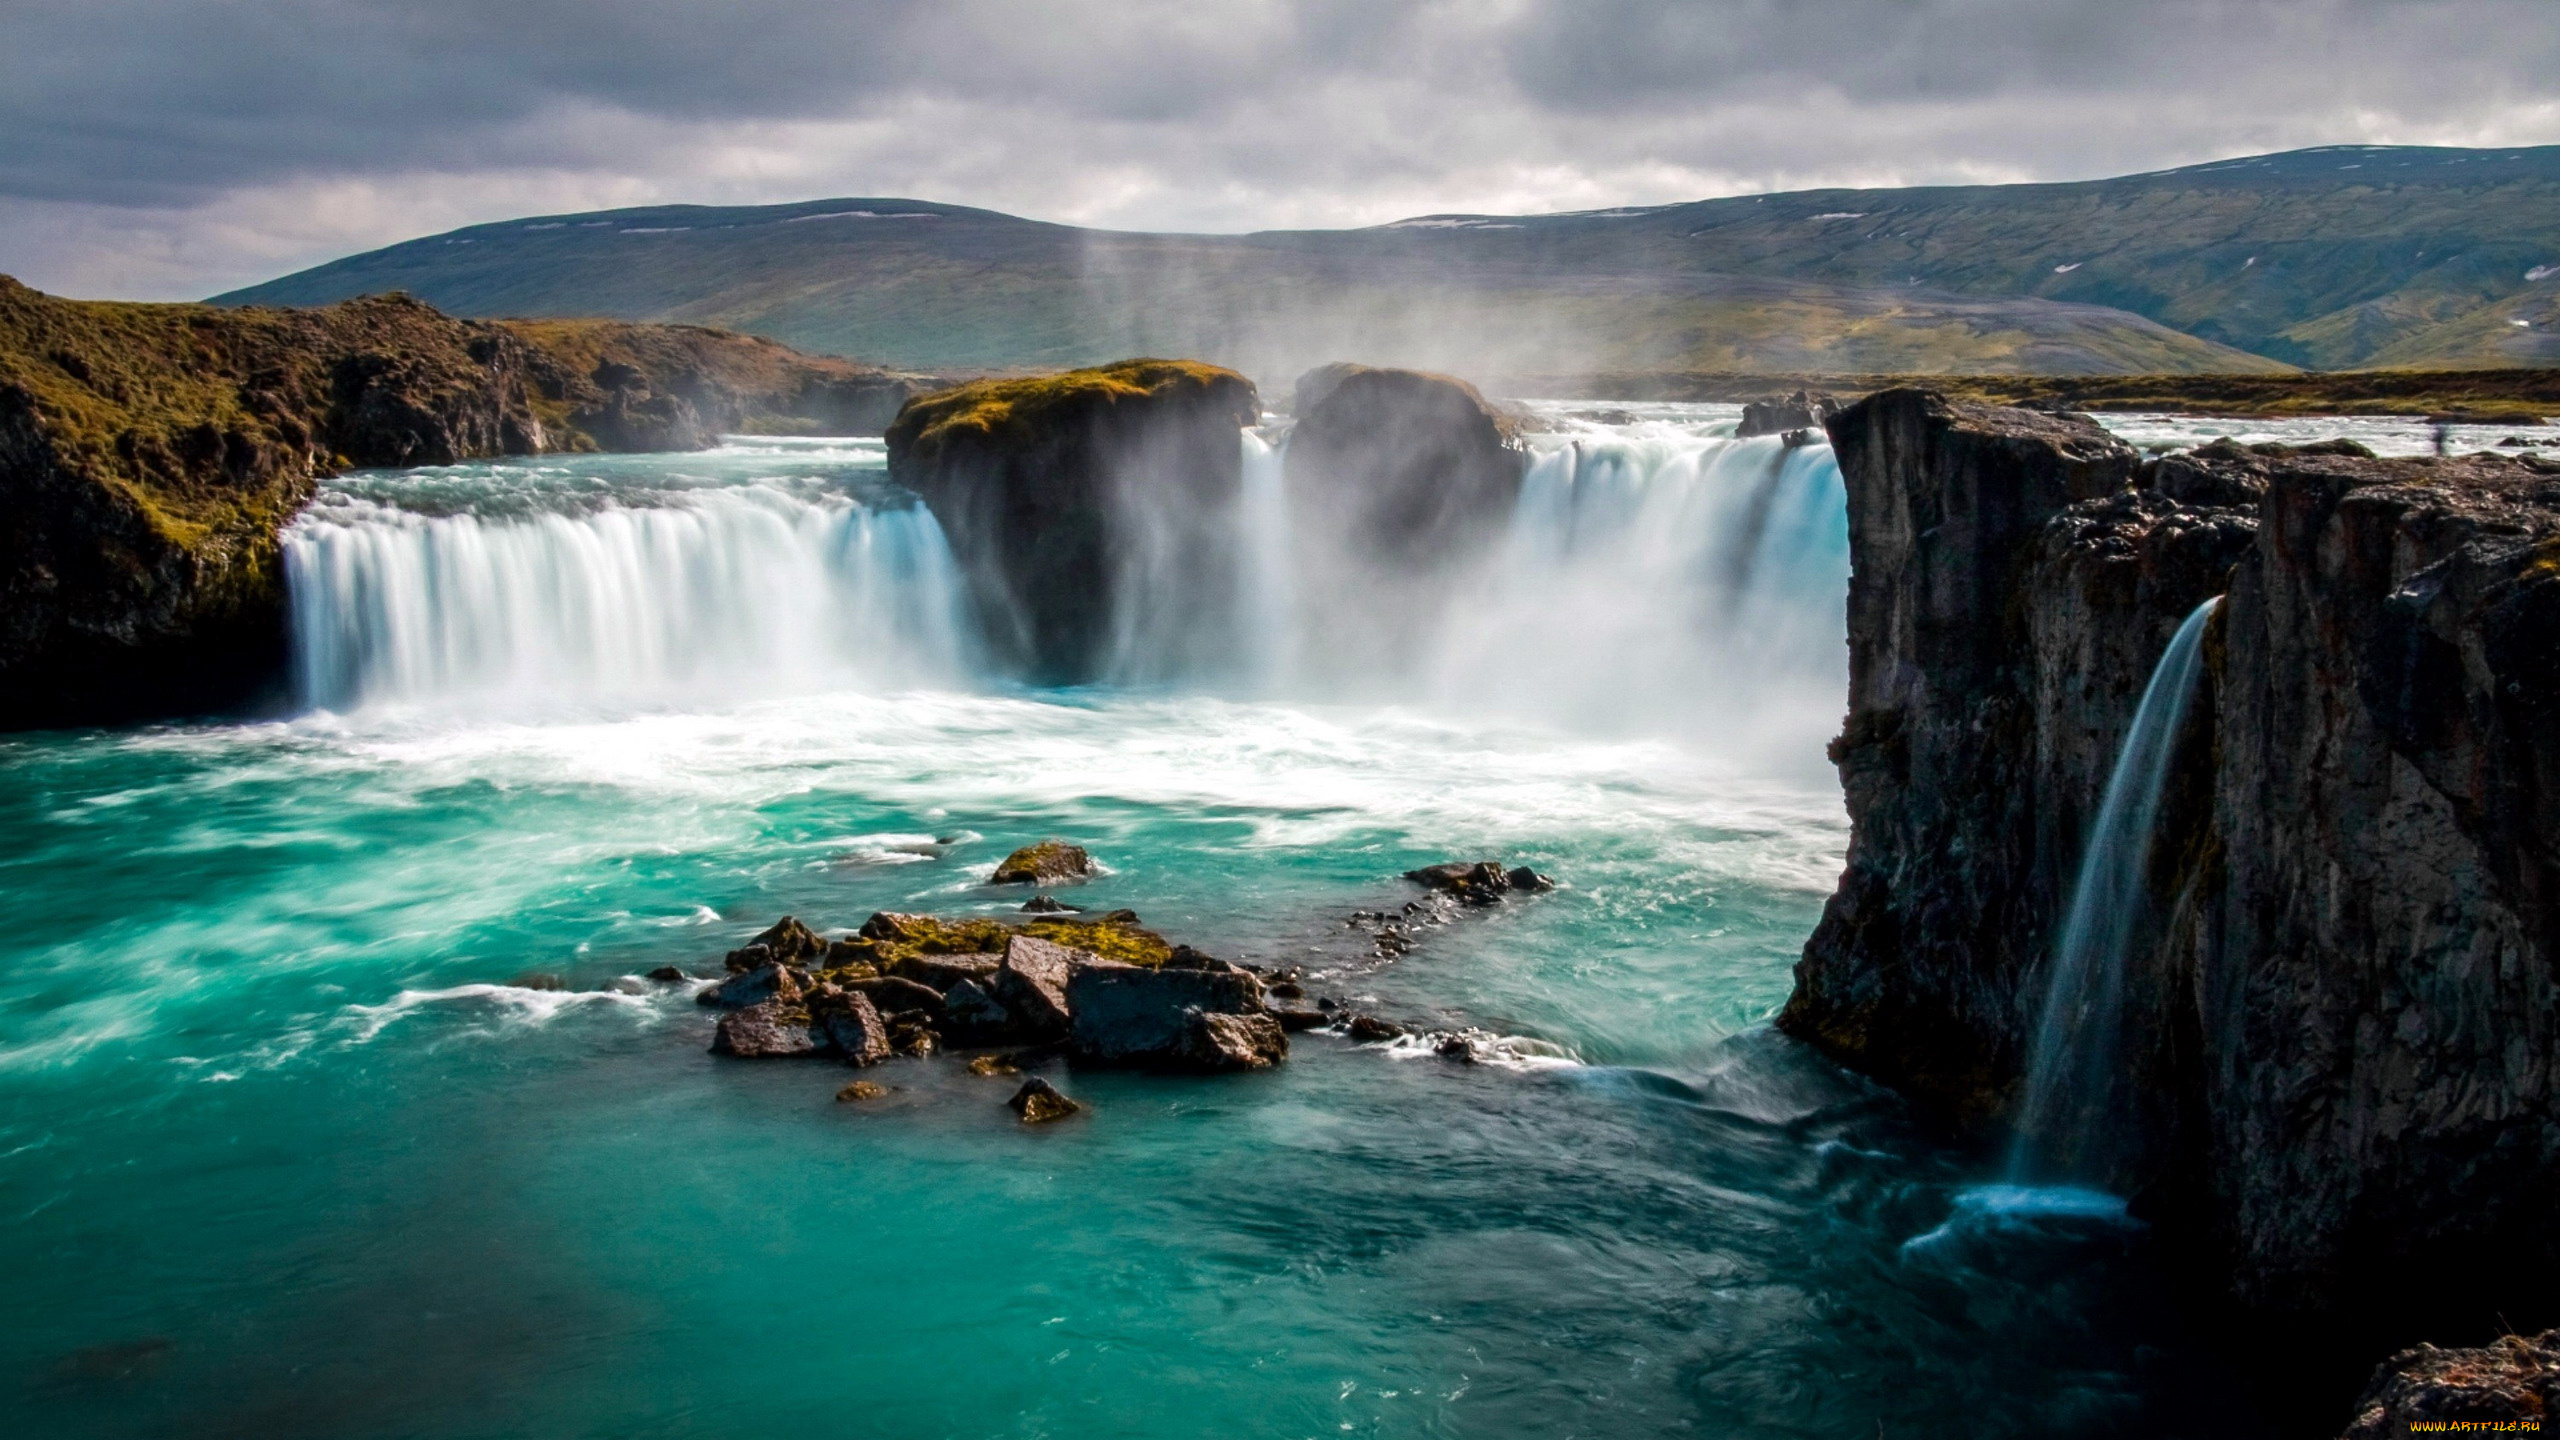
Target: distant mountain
{"x": 2328, "y": 258}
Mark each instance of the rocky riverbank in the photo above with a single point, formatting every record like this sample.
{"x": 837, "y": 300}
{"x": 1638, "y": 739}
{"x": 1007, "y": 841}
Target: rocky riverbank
{"x": 2340, "y": 1005}
{"x": 150, "y": 456}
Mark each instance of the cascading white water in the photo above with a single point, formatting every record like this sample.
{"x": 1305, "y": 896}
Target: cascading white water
{"x": 1265, "y": 546}
{"x": 705, "y": 593}
{"x": 2072, "y": 1081}
{"x": 1653, "y": 575}
{"x": 1667, "y": 581}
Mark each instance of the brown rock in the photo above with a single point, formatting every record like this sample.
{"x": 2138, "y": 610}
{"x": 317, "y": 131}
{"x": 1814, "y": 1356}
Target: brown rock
{"x": 896, "y": 995}
{"x": 853, "y": 1027}
{"x": 941, "y": 972}
{"x": 775, "y": 1029}
{"x": 861, "y": 1090}
{"x": 769, "y": 981}
{"x": 1234, "y": 1042}
{"x": 1032, "y": 985}
{"x": 1046, "y": 863}
{"x": 1039, "y": 1103}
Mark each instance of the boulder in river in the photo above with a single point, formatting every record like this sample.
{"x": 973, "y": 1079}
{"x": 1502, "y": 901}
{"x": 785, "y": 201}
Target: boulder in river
{"x": 1482, "y": 882}
{"x": 786, "y": 940}
{"x": 893, "y": 995}
{"x": 972, "y": 1015}
{"x": 1032, "y": 984}
{"x": 1132, "y": 1014}
{"x": 1407, "y": 468}
{"x": 1046, "y": 863}
{"x": 1072, "y": 499}
{"x": 852, "y": 1026}
{"x": 769, "y": 981}
{"x": 773, "y": 1029}
{"x": 1219, "y": 1041}
{"x": 942, "y": 972}
{"x": 1038, "y": 1102}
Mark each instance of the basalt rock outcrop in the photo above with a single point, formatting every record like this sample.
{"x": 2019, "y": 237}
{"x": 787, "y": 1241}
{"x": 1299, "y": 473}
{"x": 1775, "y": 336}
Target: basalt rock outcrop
{"x": 1107, "y": 991}
{"x": 2341, "y": 1005}
{"x": 1409, "y": 468}
{"x": 1092, "y": 512}
{"x": 1400, "y": 484}
{"x": 151, "y": 455}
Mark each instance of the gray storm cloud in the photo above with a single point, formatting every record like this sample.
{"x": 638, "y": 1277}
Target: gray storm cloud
{"x": 175, "y": 147}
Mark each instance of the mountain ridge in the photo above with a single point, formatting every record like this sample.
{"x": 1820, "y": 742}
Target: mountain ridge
{"x": 2331, "y": 258}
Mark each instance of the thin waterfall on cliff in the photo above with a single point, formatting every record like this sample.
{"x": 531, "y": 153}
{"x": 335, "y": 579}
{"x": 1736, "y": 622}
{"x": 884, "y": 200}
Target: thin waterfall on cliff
{"x": 2071, "y": 1099}
{"x": 717, "y": 593}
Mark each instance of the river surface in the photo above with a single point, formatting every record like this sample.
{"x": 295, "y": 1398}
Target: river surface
{"x": 333, "y": 1103}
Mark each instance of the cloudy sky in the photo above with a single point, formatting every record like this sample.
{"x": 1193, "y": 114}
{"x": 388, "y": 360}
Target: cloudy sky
{"x": 173, "y": 148}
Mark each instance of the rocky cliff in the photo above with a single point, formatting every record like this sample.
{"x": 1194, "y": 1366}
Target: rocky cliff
{"x": 2340, "y": 1006}
{"x": 1086, "y": 508}
{"x": 151, "y": 454}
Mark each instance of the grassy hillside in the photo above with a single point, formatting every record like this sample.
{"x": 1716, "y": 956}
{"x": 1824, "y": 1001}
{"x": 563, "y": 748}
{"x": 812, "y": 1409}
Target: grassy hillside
{"x": 2332, "y": 258}
{"x": 945, "y": 287}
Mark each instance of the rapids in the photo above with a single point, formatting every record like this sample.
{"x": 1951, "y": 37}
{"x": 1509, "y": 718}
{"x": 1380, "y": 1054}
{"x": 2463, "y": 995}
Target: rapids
{"x": 332, "y": 1100}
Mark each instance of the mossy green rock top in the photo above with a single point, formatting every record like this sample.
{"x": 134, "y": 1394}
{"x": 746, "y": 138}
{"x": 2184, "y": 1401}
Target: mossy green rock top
{"x": 1064, "y": 496}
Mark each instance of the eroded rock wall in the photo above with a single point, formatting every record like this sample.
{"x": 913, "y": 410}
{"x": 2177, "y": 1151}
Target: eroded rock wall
{"x": 2341, "y": 1002}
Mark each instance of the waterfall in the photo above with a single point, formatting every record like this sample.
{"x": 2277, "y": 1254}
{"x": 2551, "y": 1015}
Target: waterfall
{"x": 1651, "y": 576}
{"x": 2072, "y": 1080}
{"x": 1666, "y": 582}
{"x": 1264, "y": 550}
{"x": 700, "y": 595}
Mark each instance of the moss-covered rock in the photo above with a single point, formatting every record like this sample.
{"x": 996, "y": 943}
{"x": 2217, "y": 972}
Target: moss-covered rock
{"x": 1084, "y": 498}
{"x": 939, "y": 951}
{"x": 1041, "y": 864}
{"x": 151, "y": 455}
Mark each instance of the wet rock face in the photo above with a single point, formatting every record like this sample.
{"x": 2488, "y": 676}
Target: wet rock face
{"x": 2341, "y": 1007}
{"x": 1411, "y": 469}
{"x": 1075, "y": 500}
{"x": 1915, "y": 971}
{"x": 1131, "y": 1014}
{"x": 2381, "y": 1025}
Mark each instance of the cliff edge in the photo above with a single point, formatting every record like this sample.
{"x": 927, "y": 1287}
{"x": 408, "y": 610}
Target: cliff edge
{"x": 151, "y": 455}
{"x": 2339, "y": 1005}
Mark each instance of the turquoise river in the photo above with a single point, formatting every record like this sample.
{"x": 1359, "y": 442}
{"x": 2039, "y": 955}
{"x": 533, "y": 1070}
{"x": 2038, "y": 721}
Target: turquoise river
{"x": 333, "y": 1101}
